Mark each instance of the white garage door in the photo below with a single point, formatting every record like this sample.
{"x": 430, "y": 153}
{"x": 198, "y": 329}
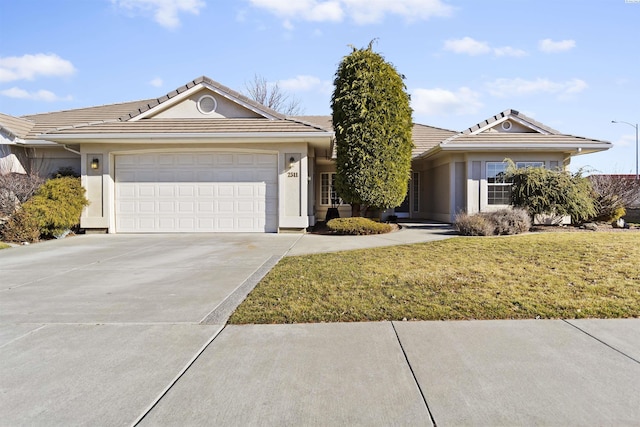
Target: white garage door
{"x": 196, "y": 192}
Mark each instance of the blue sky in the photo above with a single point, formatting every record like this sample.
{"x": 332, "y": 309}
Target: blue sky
{"x": 573, "y": 65}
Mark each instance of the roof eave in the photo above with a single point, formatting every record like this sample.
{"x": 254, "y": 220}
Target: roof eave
{"x": 205, "y": 137}
{"x": 526, "y": 147}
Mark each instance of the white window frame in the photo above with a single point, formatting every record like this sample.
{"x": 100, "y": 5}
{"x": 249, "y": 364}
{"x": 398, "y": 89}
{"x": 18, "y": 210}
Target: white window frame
{"x": 327, "y": 189}
{"x": 523, "y": 165}
{"x": 504, "y": 183}
{"x": 416, "y": 192}
{"x": 499, "y": 185}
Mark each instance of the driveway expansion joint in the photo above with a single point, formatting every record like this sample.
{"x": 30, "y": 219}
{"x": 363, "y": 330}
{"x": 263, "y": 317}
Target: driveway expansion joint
{"x": 413, "y": 374}
{"x": 177, "y": 378}
{"x": 600, "y": 341}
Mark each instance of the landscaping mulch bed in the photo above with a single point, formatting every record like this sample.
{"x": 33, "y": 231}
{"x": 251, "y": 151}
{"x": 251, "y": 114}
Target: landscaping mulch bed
{"x": 599, "y": 227}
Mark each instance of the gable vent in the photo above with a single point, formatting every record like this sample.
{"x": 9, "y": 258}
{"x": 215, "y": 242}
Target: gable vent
{"x": 207, "y": 104}
{"x": 506, "y": 125}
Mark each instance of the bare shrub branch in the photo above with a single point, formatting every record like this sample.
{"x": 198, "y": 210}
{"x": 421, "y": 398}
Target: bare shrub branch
{"x": 272, "y": 96}
{"x": 614, "y": 193}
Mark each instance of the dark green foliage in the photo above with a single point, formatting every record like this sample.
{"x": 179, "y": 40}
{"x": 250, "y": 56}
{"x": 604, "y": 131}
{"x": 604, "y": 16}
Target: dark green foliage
{"x": 373, "y": 125}
{"x": 500, "y": 222}
{"x": 544, "y": 191}
{"x": 57, "y": 205}
{"x": 21, "y": 227}
{"x": 357, "y": 226}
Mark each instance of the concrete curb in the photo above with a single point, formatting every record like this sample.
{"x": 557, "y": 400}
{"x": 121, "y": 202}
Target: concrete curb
{"x": 220, "y": 314}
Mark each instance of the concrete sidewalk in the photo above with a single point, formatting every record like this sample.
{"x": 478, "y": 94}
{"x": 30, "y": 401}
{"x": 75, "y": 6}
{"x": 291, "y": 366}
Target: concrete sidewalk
{"x": 484, "y": 373}
{"x": 410, "y": 233}
{"x": 127, "y": 329}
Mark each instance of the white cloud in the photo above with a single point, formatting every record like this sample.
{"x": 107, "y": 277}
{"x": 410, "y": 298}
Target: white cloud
{"x": 503, "y": 88}
{"x": 304, "y": 83}
{"x": 509, "y": 51}
{"x": 156, "y": 82}
{"x": 28, "y": 67}
{"x": 165, "y": 12}
{"x": 467, "y": 45}
{"x": 550, "y": 46}
{"x": 626, "y": 140}
{"x": 473, "y": 47}
{"x": 360, "y": 11}
{"x": 445, "y": 102}
{"x": 41, "y": 95}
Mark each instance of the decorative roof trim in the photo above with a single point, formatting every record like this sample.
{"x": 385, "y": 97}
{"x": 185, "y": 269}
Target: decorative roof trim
{"x": 515, "y": 116}
{"x": 186, "y": 90}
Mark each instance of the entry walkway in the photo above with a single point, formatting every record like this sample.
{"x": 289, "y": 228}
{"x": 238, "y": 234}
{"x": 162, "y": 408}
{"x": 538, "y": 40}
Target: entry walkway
{"x": 410, "y": 232}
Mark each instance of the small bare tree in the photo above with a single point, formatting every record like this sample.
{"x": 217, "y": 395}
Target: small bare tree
{"x": 272, "y": 96}
{"x": 17, "y": 188}
{"x": 614, "y": 192}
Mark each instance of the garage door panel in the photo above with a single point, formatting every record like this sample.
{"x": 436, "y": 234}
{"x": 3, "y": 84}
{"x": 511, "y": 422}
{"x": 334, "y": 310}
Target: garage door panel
{"x": 196, "y": 192}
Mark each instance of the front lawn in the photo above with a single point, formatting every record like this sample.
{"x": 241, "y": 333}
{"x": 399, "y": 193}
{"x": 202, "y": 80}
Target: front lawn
{"x": 547, "y": 275}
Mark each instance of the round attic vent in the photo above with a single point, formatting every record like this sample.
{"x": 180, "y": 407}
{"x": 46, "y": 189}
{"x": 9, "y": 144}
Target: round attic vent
{"x": 207, "y": 104}
{"x": 506, "y": 125}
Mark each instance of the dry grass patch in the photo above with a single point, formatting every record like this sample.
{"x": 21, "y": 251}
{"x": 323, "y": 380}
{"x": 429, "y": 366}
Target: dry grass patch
{"x": 551, "y": 275}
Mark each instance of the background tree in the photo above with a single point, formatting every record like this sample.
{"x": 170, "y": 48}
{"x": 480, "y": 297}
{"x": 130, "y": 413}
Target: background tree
{"x": 614, "y": 193}
{"x": 272, "y": 96}
{"x": 372, "y": 122}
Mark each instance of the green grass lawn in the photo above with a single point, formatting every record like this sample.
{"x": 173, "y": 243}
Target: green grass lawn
{"x": 4, "y": 246}
{"x": 546, "y": 275}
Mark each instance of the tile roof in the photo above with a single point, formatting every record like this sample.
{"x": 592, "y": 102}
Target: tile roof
{"x": 189, "y": 126}
{"x": 16, "y": 126}
{"x": 104, "y": 113}
{"x": 506, "y": 138}
{"x": 424, "y": 137}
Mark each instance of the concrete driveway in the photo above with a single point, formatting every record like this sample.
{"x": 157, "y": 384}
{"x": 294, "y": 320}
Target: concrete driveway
{"x": 93, "y": 328}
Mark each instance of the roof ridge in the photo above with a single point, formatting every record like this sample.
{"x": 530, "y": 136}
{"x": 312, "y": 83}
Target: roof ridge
{"x": 310, "y": 124}
{"x": 434, "y": 127}
{"x": 195, "y": 82}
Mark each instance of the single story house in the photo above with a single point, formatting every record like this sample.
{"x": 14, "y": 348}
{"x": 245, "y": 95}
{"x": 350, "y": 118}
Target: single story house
{"x": 204, "y": 158}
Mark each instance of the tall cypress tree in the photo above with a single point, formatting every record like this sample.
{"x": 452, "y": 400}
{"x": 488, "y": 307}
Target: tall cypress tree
{"x": 372, "y": 122}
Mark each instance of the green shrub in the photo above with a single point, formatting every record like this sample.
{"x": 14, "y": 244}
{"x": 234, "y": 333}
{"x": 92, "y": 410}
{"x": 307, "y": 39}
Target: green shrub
{"x": 500, "y": 222}
{"x": 473, "y": 225}
{"x": 544, "y": 191}
{"x": 57, "y": 205}
{"x": 357, "y": 226}
{"x": 21, "y": 227}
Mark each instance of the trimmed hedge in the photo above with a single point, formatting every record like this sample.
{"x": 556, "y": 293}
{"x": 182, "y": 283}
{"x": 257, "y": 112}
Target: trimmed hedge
{"x": 357, "y": 226}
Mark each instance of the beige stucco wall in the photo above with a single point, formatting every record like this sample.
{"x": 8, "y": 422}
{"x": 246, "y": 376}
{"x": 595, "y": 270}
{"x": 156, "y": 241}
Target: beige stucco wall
{"x": 476, "y": 198}
{"x": 458, "y": 182}
{"x": 100, "y": 184}
{"x": 188, "y": 108}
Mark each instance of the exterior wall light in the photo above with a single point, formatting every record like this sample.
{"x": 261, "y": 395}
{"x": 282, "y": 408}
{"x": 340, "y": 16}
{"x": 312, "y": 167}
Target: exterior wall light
{"x": 95, "y": 163}
{"x": 292, "y": 161}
